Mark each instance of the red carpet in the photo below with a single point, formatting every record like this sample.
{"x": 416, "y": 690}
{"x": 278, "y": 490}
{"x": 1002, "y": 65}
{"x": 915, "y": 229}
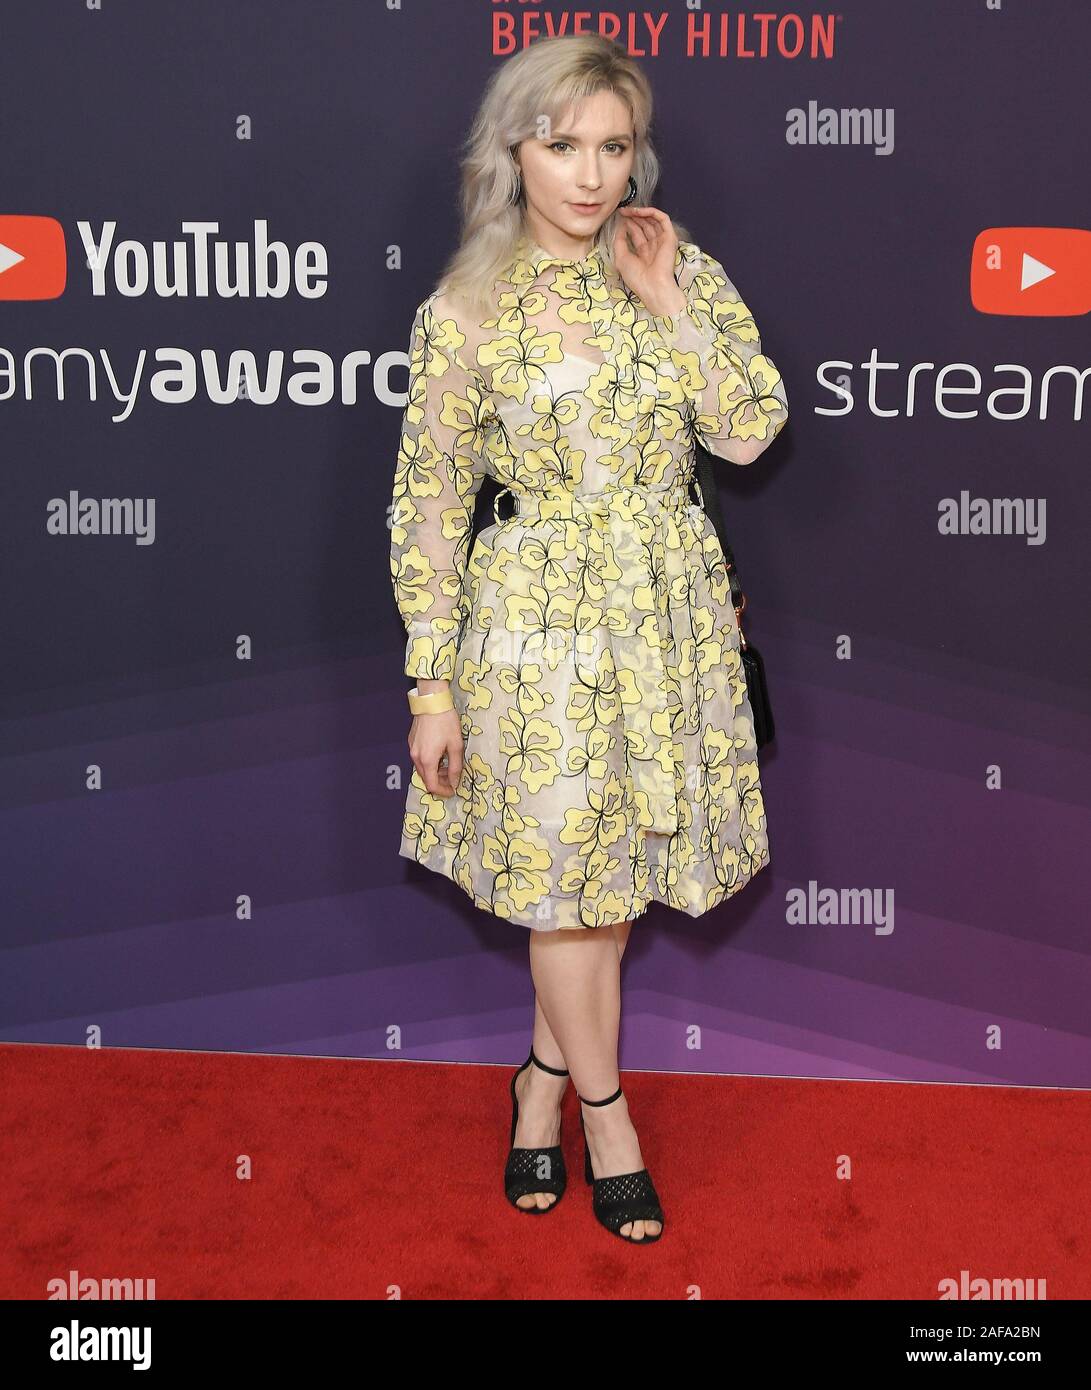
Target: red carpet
{"x": 374, "y": 1177}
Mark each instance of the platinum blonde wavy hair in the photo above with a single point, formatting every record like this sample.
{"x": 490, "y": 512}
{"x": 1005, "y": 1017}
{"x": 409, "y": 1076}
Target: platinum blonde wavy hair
{"x": 545, "y": 79}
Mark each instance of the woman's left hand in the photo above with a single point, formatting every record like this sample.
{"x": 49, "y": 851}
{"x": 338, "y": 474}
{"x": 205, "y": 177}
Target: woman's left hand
{"x": 649, "y": 269}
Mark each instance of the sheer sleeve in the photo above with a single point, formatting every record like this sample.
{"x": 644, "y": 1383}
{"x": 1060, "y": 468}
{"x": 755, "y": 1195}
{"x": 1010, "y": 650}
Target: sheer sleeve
{"x": 740, "y": 404}
{"x": 440, "y": 467}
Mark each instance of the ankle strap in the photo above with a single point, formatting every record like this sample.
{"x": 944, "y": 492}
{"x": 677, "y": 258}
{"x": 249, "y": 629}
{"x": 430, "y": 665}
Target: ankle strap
{"x": 554, "y": 1071}
{"x": 608, "y": 1101}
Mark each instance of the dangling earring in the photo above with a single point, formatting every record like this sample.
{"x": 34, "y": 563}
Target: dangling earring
{"x": 631, "y": 195}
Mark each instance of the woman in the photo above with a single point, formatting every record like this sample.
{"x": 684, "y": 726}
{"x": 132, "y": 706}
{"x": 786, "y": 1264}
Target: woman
{"x": 582, "y": 739}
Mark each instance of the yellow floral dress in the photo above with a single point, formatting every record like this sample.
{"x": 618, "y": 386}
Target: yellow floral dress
{"x": 589, "y": 637}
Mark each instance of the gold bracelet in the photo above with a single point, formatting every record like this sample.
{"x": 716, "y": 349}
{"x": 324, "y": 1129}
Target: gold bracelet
{"x": 433, "y": 703}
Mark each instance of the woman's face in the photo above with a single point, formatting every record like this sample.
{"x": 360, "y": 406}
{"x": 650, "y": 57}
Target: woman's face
{"x": 583, "y": 161}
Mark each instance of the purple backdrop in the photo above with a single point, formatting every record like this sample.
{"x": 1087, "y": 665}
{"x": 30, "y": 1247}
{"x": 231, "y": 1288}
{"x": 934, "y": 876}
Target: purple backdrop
{"x": 929, "y": 688}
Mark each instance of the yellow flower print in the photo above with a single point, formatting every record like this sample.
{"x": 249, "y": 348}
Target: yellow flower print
{"x": 461, "y": 835}
{"x": 551, "y": 467}
{"x": 598, "y": 342}
{"x": 644, "y": 350}
{"x": 516, "y": 307}
{"x": 753, "y": 806}
{"x": 424, "y": 472}
{"x": 673, "y": 410}
{"x": 596, "y": 905}
{"x": 601, "y": 822}
{"x": 611, "y": 908}
{"x": 413, "y": 575}
{"x": 616, "y": 405}
{"x": 685, "y": 825}
{"x": 505, "y": 799}
{"x": 471, "y": 418}
{"x": 472, "y": 678}
{"x": 684, "y": 592}
{"x": 519, "y": 865}
{"x": 550, "y": 618}
{"x": 420, "y": 826}
{"x": 584, "y": 872}
{"x": 439, "y": 344}
{"x": 546, "y": 557}
{"x": 596, "y": 569}
{"x": 589, "y": 636}
{"x": 524, "y": 682}
{"x": 666, "y": 881}
{"x": 726, "y": 860}
{"x": 713, "y": 564}
{"x": 425, "y": 648}
{"x": 702, "y": 651}
{"x": 462, "y": 873}
{"x": 731, "y": 316}
{"x": 554, "y": 416}
{"x": 594, "y": 699}
{"x": 590, "y": 758}
{"x": 749, "y": 402}
{"x": 584, "y": 294}
{"x": 528, "y": 746}
{"x": 735, "y": 676}
{"x": 657, "y": 431}
{"x": 518, "y": 360}
{"x": 476, "y": 786}
{"x": 717, "y": 765}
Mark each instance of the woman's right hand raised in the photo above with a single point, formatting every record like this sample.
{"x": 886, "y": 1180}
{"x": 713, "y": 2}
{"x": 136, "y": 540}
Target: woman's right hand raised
{"x": 436, "y": 747}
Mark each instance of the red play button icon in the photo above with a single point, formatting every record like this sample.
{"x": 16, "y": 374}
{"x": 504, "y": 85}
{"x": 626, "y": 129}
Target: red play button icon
{"x": 1031, "y": 271}
{"x": 33, "y": 261}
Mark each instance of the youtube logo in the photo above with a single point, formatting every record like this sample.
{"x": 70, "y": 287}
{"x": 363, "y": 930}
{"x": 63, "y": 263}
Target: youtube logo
{"x": 1031, "y": 271}
{"x": 33, "y": 260}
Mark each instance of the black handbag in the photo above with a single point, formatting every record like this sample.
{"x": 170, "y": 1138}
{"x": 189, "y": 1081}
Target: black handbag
{"x": 757, "y": 688}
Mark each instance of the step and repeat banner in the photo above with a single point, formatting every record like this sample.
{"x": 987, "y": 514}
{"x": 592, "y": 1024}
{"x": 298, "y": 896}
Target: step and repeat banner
{"x": 216, "y": 222}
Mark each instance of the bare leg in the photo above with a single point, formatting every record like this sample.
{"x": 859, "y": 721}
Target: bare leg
{"x": 621, "y": 932}
{"x": 545, "y": 1044}
{"x": 577, "y": 976}
{"x": 540, "y": 1096}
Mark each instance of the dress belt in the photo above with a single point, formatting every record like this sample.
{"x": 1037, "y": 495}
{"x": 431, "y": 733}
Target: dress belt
{"x": 653, "y": 513}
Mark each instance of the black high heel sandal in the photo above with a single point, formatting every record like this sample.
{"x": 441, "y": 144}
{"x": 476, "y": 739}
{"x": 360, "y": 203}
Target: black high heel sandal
{"x": 521, "y": 1172}
{"x": 623, "y": 1197}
